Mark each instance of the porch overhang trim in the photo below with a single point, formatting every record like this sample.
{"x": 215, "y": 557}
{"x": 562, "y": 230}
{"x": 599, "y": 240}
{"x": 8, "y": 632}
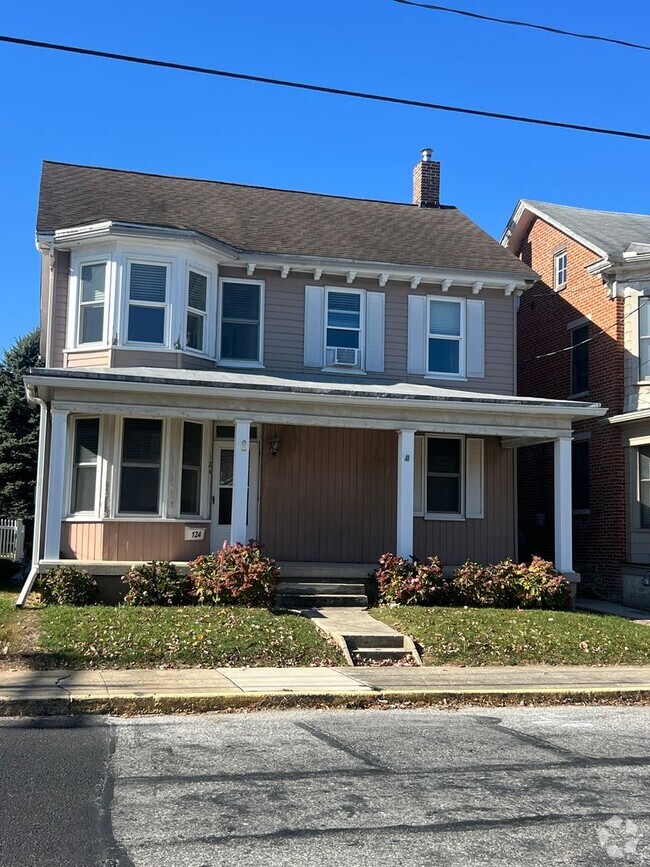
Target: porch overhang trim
{"x": 630, "y": 417}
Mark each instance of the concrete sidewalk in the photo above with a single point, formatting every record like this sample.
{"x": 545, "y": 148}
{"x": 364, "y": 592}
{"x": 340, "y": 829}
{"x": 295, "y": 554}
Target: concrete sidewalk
{"x": 158, "y": 690}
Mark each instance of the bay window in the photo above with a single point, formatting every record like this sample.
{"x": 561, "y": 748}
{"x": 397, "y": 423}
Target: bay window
{"x": 445, "y": 337}
{"x": 83, "y": 496}
{"x": 197, "y": 299}
{"x": 141, "y": 466}
{"x": 92, "y": 295}
{"x": 147, "y": 305}
{"x": 241, "y": 306}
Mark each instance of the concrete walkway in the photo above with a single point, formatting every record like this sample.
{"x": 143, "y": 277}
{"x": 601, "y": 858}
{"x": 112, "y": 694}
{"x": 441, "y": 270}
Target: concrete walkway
{"x": 602, "y": 606}
{"x": 147, "y": 690}
{"x": 362, "y": 637}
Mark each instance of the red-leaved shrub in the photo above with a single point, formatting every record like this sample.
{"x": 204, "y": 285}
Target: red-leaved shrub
{"x": 235, "y": 575}
{"x": 411, "y": 582}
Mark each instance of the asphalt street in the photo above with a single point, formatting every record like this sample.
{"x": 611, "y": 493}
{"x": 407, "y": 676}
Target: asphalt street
{"x": 516, "y": 787}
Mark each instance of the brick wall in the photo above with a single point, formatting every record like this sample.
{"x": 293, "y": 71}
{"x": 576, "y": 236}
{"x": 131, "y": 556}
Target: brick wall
{"x": 599, "y": 537}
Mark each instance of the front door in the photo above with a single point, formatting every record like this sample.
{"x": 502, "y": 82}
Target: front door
{"x": 222, "y": 475}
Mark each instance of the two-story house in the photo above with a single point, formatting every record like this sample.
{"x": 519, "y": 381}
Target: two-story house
{"x": 332, "y": 376}
{"x": 584, "y": 333}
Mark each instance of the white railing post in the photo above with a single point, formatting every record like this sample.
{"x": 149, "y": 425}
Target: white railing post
{"x": 405, "y": 482}
{"x": 55, "y": 484}
{"x": 19, "y": 543}
{"x": 242, "y": 449}
{"x": 563, "y": 506}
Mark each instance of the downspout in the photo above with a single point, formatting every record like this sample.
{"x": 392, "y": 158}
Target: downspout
{"x": 50, "y": 310}
{"x": 38, "y": 502}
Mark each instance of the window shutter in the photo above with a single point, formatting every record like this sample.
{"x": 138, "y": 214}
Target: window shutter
{"x": 375, "y": 330}
{"x": 314, "y": 326}
{"x": 474, "y": 473}
{"x": 417, "y": 342}
{"x": 475, "y": 338}
{"x": 418, "y": 475}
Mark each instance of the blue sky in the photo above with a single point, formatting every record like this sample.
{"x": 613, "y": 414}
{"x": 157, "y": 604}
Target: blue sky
{"x": 99, "y": 112}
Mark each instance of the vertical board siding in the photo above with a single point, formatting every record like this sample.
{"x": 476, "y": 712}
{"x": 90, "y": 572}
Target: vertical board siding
{"x": 151, "y": 540}
{"x": 329, "y": 495}
{"x": 82, "y": 540}
{"x": 485, "y": 540}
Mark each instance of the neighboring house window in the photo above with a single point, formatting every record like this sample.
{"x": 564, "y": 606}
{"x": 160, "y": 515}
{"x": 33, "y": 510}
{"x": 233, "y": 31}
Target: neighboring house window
{"x": 141, "y": 457}
{"x": 444, "y": 461}
{"x": 580, "y": 360}
{"x": 241, "y": 325}
{"x": 560, "y": 269}
{"x": 580, "y": 475}
{"x": 147, "y": 303}
{"x": 644, "y": 487}
{"x": 343, "y": 329}
{"x": 92, "y": 293}
{"x": 445, "y": 337}
{"x": 84, "y": 465}
{"x": 191, "y": 472}
{"x": 197, "y": 297}
{"x": 644, "y": 338}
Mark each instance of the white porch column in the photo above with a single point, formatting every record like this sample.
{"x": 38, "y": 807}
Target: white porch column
{"x": 56, "y": 476}
{"x": 563, "y": 506}
{"x": 405, "y": 468}
{"x": 239, "y": 520}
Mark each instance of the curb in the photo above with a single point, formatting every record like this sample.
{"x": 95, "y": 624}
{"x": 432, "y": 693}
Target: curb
{"x": 384, "y": 700}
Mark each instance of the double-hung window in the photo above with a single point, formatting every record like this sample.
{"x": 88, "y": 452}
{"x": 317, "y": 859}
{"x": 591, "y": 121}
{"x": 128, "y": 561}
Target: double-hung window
{"x": 240, "y": 339}
{"x": 444, "y": 476}
{"x": 445, "y": 336}
{"x": 147, "y": 302}
{"x": 580, "y": 360}
{"x": 191, "y": 469}
{"x": 83, "y": 496}
{"x": 644, "y": 338}
{"x": 560, "y": 269}
{"x": 141, "y": 461}
{"x": 644, "y": 487}
{"x": 92, "y": 295}
{"x": 197, "y": 299}
{"x": 343, "y": 329}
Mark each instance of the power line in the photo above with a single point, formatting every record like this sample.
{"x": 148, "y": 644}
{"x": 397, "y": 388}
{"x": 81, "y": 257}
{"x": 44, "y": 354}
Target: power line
{"x": 589, "y": 339}
{"x": 318, "y": 88}
{"x": 558, "y": 31}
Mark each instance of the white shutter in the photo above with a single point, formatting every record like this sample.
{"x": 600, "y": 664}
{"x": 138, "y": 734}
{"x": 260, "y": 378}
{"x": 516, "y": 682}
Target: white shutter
{"x": 314, "y": 326}
{"x": 418, "y": 475}
{"x": 474, "y": 473}
{"x": 475, "y": 338}
{"x": 417, "y": 341}
{"x": 375, "y": 329}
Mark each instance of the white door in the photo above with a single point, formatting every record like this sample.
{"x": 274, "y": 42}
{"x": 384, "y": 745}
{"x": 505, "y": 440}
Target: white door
{"x": 222, "y": 473}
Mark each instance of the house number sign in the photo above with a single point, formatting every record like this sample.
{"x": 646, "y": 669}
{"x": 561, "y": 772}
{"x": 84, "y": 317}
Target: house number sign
{"x": 194, "y": 533}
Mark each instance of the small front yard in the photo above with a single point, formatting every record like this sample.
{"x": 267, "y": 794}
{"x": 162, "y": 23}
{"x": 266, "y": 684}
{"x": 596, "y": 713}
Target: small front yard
{"x": 494, "y": 636}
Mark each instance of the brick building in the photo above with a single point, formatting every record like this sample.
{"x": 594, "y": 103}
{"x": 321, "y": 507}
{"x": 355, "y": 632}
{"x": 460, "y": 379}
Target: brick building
{"x": 579, "y": 333}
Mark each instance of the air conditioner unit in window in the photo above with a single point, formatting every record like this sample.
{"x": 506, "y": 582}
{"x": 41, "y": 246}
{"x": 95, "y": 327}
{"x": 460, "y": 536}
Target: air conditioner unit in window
{"x": 343, "y": 357}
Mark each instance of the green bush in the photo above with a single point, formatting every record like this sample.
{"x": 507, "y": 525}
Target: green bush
{"x": 67, "y": 585}
{"x": 156, "y": 583}
{"x": 235, "y": 575}
{"x": 411, "y": 582}
{"x": 544, "y": 587}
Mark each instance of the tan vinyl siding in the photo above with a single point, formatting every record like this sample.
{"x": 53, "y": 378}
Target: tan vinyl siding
{"x": 156, "y": 358}
{"x": 139, "y": 541}
{"x": 60, "y": 306}
{"x": 329, "y": 495}
{"x": 88, "y": 358}
{"x": 484, "y": 540}
{"x": 82, "y": 540}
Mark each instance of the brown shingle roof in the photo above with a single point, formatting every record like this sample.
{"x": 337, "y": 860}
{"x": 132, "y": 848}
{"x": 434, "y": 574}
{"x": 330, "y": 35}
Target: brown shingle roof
{"x": 264, "y": 220}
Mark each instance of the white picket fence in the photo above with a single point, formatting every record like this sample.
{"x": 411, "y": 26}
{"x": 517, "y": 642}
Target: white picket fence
{"x": 12, "y": 538}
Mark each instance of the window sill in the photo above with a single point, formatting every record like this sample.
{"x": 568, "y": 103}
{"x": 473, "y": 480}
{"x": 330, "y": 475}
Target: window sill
{"x": 86, "y": 347}
{"x": 442, "y": 517}
{"x": 234, "y": 363}
{"x": 156, "y": 518}
{"x": 578, "y": 395}
{"x": 582, "y": 511}
{"x": 139, "y": 347}
{"x": 643, "y": 382}
{"x": 344, "y": 371}
{"x": 446, "y": 377}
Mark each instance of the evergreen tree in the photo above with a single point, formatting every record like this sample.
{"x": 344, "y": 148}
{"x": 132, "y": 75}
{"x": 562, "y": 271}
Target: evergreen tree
{"x": 18, "y": 429}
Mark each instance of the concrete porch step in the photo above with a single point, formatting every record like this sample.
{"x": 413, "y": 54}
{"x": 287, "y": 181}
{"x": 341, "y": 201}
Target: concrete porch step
{"x": 382, "y": 641}
{"x": 316, "y": 571}
{"x": 321, "y": 600}
{"x": 363, "y": 655}
{"x": 321, "y": 588}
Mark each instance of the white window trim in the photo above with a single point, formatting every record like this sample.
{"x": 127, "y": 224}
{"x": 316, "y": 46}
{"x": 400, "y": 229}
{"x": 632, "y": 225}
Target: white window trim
{"x": 559, "y": 254}
{"x": 95, "y": 513}
{"x": 640, "y": 337}
{"x": 167, "y": 306}
{"x": 637, "y": 465}
{"x": 197, "y": 269}
{"x": 361, "y": 369}
{"x": 77, "y": 343}
{"x": 233, "y": 362}
{"x": 444, "y": 516}
{"x": 462, "y": 350}
{"x": 203, "y": 512}
{"x": 164, "y": 472}
{"x": 74, "y": 310}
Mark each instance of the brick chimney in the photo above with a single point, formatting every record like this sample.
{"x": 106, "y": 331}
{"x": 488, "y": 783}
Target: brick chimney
{"x": 426, "y": 181}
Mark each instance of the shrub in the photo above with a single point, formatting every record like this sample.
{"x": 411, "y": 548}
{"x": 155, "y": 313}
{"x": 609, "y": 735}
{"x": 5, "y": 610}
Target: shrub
{"x": 236, "y": 575}
{"x": 412, "y": 582}
{"x": 156, "y": 583}
{"x": 67, "y": 585}
{"x": 504, "y": 587}
{"x": 544, "y": 587}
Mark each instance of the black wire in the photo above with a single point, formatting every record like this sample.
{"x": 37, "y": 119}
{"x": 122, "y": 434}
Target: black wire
{"x": 558, "y": 31}
{"x": 337, "y": 91}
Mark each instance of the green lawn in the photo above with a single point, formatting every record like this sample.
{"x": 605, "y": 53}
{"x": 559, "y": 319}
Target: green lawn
{"x": 133, "y": 637}
{"x": 7, "y": 620}
{"x": 493, "y": 636}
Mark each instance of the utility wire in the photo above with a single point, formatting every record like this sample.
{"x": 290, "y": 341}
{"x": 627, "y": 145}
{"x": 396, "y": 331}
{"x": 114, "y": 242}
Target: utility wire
{"x": 337, "y": 91}
{"x": 589, "y": 339}
{"x": 558, "y": 31}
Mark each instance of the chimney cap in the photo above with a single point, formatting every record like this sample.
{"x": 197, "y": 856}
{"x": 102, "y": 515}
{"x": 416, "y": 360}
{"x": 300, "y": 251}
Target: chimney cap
{"x": 427, "y": 153}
